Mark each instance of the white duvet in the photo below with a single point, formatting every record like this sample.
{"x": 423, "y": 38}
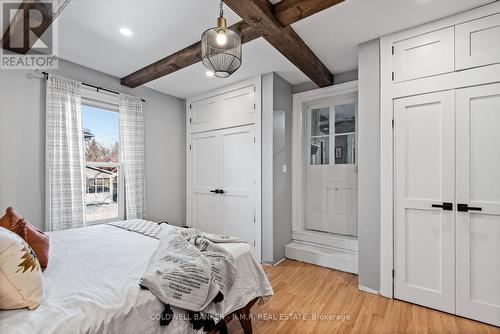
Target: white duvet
{"x": 91, "y": 286}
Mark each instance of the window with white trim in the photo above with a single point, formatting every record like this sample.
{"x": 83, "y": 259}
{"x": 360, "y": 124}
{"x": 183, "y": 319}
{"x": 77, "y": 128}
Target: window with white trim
{"x": 103, "y": 197}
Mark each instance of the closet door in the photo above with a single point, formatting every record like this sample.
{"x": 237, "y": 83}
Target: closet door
{"x": 206, "y": 178}
{"x": 478, "y": 193}
{"x": 424, "y": 192}
{"x": 238, "y": 172}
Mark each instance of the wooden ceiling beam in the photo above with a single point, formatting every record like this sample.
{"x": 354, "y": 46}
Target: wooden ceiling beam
{"x": 259, "y": 14}
{"x": 286, "y": 12}
{"x": 291, "y": 11}
{"x": 181, "y": 59}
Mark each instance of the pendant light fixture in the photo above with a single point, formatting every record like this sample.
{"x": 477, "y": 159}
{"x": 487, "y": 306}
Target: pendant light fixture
{"x": 221, "y": 48}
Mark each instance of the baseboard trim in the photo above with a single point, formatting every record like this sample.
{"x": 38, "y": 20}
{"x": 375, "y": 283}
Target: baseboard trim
{"x": 329, "y": 257}
{"x": 279, "y": 262}
{"x": 365, "y": 289}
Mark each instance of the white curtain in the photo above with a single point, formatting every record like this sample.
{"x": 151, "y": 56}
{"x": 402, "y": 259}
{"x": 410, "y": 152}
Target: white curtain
{"x": 66, "y": 174}
{"x": 132, "y": 155}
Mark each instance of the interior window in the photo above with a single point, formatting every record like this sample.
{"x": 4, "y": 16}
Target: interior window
{"x": 320, "y": 136}
{"x": 345, "y": 134}
{"x": 102, "y": 164}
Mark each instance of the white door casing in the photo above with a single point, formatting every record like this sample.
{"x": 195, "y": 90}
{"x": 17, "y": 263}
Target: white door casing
{"x": 424, "y": 176}
{"x": 478, "y": 187}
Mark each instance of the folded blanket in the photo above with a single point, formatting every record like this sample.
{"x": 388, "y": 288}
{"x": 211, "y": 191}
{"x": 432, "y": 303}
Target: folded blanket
{"x": 190, "y": 271}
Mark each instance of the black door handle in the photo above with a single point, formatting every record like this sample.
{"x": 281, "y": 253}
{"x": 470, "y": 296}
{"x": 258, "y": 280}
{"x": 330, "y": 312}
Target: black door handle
{"x": 445, "y": 206}
{"x": 221, "y": 191}
{"x": 215, "y": 191}
{"x": 466, "y": 207}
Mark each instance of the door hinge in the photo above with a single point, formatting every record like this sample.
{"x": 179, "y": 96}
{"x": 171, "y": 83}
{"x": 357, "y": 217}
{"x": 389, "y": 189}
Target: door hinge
{"x": 254, "y": 89}
{"x": 190, "y": 120}
{"x": 254, "y": 217}
{"x": 393, "y": 124}
{"x": 254, "y": 140}
{"x": 393, "y": 76}
{"x": 393, "y": 273}
{"x": 189, "y": 147}
{"x": 254, "y": 243}
{"x": 190, "y": 106}
{"x": 392, "y": 51}
{"x": 254, "y": 106}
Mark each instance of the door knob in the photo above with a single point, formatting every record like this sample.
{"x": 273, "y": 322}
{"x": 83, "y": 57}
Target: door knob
{"x": 445, "y": 206}
{"x": 215, "y": 191}
{"x": 221, "y": 191}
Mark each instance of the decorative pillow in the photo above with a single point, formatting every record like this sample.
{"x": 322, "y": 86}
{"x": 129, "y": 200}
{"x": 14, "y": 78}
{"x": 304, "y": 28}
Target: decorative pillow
{"x": 37, "y": 240}
{"x": 7, "y": 219}
{"x": 21, "y": 279}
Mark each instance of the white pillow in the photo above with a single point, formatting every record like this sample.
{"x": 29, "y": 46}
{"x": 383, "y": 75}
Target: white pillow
{"x": 21, "y": 280}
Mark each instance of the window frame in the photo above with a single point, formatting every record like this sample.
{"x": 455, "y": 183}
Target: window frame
{"x": 109, "y": 103}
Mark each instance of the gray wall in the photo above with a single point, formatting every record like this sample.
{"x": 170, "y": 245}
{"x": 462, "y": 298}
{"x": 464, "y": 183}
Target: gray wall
{"x": 282, "y": 155}
{"x": 22, "y": 144}
{"x": 369, "y": 165}
{"x": 267, "y": 167}
{"x": 276, "y": 152}
{"x": 337, "y": 79}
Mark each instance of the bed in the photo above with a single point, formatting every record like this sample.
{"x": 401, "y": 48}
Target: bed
{"x": 91, "y": 286}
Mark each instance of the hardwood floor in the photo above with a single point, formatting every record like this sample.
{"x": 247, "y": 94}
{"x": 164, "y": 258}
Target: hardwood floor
{"x": 302, "y": 290}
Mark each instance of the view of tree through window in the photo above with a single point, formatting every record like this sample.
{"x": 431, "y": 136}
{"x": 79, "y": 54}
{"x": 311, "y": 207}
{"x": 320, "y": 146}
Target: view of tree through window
{"x": 102, "y": 163}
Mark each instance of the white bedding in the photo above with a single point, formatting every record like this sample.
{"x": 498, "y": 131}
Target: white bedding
{"x": 91, "y": 286}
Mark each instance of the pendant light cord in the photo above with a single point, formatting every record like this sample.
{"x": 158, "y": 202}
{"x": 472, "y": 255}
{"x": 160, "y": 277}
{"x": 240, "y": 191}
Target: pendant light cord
{"x": 221, "y": 13}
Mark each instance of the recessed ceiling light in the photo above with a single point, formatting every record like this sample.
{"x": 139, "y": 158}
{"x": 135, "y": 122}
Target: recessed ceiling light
{"x": 209, "y": 74}
{"x": 126, "y": 32}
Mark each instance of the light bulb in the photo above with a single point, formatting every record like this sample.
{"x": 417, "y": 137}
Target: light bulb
{"x": 221, "y": 37}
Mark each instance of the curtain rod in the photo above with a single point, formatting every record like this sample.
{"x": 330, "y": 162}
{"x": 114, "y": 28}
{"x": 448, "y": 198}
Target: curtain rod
{"x": 93, "y": 86}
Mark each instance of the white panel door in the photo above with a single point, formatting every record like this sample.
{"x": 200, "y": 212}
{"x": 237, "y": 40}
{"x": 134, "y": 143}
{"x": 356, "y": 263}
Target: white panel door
{"x": 425, "y": 55}
{"x": 331, "y": 180}
{"x": 206, "y": 178}
{"x": 238, "y": 173}
{"x": 424, "y": 180}
{"x": 478, "y": 193}
{"x": 478, "y": 42}
{"x": 207, "y": 110}
{"x": 238, "y": 102}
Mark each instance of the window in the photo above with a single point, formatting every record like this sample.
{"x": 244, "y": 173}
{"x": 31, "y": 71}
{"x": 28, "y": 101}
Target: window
{"x": 102, "y": 164}
{"x": 345, "y": 133}
{"x": 320, "y": 136}
{"x": 342, "y": 135}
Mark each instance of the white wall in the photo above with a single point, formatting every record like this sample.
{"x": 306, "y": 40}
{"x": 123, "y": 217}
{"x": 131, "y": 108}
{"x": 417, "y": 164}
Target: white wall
{"x": 369, "y": 165}
{"x": 22, "y": 144}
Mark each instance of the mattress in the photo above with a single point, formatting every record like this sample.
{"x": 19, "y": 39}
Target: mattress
{"x": 91, "y": 286}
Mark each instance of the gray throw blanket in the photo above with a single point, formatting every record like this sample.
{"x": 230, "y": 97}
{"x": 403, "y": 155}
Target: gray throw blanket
{"x": 190, "y": 271}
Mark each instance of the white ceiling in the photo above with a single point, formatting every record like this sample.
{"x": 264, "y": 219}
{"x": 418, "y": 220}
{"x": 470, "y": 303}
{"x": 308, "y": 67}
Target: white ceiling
{"x": 89, "y": 35}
